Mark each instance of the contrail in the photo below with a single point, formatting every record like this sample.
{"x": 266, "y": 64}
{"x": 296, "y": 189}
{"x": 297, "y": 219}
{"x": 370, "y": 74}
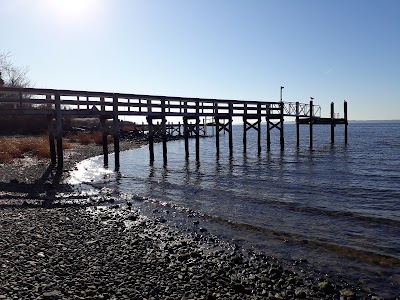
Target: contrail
{"x": 330, "y": 70}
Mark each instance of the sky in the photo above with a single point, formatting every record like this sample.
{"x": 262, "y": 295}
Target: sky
{"x": 229, "y": 49}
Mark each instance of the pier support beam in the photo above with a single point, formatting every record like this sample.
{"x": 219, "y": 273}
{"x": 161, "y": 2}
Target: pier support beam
{"x": 297, "y": 124}
{"x": 259, "y": 127}
{"x": 186, "y": 136}
{"x": 116, "y": 132}
{"x": 151, "y": 138}
{"x": 159, "y": 130}
{"x": 311, "y": 122}
{"x": 189, "y": 130}
{"x": 197, "y": 130}
{"x": 104, "y": 131}
{"x": 333, "y": 123}
{"x": 226, "y": 127}
{"x": 50, "y": 128}
{"x": 217, "y": 127}
{"x": 60, "y": 157}
{"x": 346, "y": 123}
{"x": 278, "y": 125}
{"x": 230, "y": 129}
{"x": 255, "y": 125}
{"x": 164, "y": 132}
{"x": 268, "y": 132}
{"x": 282, "y": 136}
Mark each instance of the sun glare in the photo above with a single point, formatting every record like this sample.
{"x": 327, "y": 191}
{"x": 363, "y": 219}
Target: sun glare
{"x": 72, "y": 10}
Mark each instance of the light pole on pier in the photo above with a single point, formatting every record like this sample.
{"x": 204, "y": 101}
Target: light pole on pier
{"x": 282, "y": 87}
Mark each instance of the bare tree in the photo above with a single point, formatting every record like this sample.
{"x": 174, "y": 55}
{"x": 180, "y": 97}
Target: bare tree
{"x": 10, "y": 75}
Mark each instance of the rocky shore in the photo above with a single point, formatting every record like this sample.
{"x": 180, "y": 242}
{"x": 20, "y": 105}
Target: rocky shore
{"x": 56, "y": 244}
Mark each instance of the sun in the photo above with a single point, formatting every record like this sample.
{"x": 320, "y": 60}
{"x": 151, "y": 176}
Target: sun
{"x": 72, "y": 10}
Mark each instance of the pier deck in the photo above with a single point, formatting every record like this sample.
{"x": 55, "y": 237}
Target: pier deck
{"x": 55, "y": 104}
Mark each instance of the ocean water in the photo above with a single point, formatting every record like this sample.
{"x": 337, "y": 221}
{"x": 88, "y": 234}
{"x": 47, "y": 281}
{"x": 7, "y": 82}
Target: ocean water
{"x": 335, "y": 207}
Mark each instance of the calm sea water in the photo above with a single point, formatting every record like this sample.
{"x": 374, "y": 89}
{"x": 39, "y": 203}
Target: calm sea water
{"x": 336, "y": 206}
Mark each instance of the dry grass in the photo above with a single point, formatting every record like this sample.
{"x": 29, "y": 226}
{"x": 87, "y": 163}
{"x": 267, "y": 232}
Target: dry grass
{"x": 88, "y": 138}
{"x": 17, "y": 147}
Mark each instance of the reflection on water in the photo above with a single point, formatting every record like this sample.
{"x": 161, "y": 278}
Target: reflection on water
{"x": 331, "y": 201}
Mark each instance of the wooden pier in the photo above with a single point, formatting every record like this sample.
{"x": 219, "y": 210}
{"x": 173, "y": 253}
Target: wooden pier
{"x": 56, "y": 104}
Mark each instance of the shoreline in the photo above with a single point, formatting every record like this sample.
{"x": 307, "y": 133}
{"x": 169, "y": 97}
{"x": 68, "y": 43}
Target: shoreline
{"x": 62, "y": 250}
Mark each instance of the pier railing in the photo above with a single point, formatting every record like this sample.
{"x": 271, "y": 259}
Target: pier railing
{"x": 44, "y": 101}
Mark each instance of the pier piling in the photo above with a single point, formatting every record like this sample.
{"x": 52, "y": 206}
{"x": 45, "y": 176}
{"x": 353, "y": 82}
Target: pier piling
{"x": 297, "y": 124}
{"x": 333, "y": 123}
{"x": 116, "y": 132}
{"x": 311, "y": 122}
{"x": 104, "y": 132}
{"x": 60, "y": 157}
{"x": 345, "y": 122}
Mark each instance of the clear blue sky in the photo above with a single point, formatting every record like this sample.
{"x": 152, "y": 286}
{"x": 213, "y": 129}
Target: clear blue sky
{"x": 231, "y": 49}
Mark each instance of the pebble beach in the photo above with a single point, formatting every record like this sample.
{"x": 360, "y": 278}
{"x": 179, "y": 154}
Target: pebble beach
{"x": 56, "y": 244}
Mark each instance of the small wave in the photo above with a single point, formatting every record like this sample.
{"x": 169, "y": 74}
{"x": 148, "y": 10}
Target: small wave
{"x": 354, "y": 253}
{"x": 299, "y": 207}
{"x": 368, "y": 256}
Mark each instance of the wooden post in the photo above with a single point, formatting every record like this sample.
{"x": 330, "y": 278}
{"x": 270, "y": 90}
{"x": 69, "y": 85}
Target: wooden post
{"x": 268, "y": 129}
{"x": 230, "y": 128}
{"x": 51, "y": 139}
{"x": 245, "y": 128}
{"x": 332, "y": 123}
{"x": 345, "y": 122}
{"x": 197, "y": 130}
{"x": 164, "y": 139}
{"x": 104, "y": 132}
{"x": 60, "y": 157}
{"x": 116, "y": 131}
{"x": 151, "y": 138}
{"x": 244, "y": 133}
{"x": 311, "y": 123}
{"x": 164, "y": 131}
{"x": 216, "y": 118}
{"x": 60, "y": 161}
{"x": 297, "y": 124}
{"x": 259, "y": 127}
{"x": 282, "y": 137}
{"x": 186, "y": 135}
